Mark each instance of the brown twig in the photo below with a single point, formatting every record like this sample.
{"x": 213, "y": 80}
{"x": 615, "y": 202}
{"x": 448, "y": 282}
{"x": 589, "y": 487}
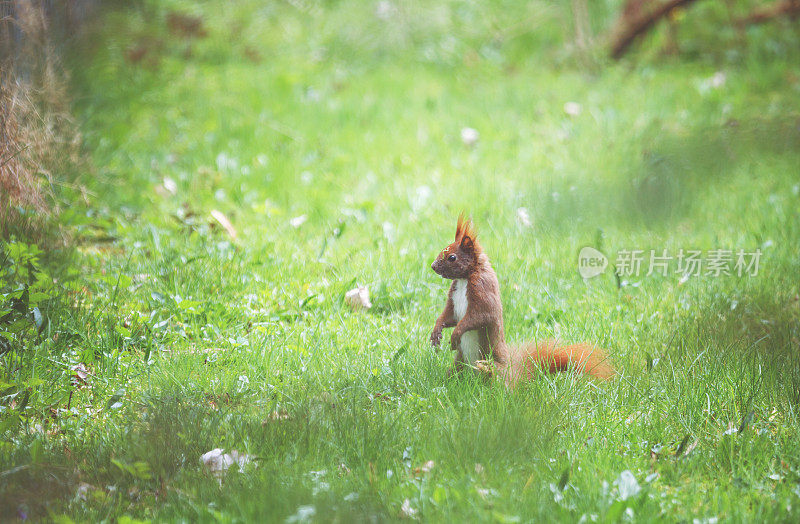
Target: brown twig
{"x": 765, "y": 14}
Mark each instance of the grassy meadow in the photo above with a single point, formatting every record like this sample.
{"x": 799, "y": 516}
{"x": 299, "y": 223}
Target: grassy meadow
{"x": 330, "y": 137}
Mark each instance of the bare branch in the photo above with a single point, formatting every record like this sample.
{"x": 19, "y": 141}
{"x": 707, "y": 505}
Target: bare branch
{"x": 637, "y": 19}
{"x": 767, "y": 13}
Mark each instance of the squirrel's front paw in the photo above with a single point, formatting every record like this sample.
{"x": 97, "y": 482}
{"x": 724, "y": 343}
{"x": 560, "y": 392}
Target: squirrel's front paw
{"x": 436, "y": 337}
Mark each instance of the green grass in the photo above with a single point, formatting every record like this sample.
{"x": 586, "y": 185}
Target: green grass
{"x": 194, "y": 340}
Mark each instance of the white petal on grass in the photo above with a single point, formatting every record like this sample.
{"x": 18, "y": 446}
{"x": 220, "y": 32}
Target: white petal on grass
{"x": 524, "y": 217}
{"x": 227, "y": 163}
{"x": 384, "y": 10}
{"x": 389, "y": 232}
{"x": 487, "y": 493}
{"x": 277, "y": 415}
{"x": 469, "y": 136}
{"x": 407, "y": 511}
{"x": 708, "y": 520}
{"x": 627, "y": 485}
{"x": 572, "y": 108}
{"x": 358, "y": 298}
{"x": 82, "y": 492}
{"x": 714, "y": 82}
{"x": 419, "y": 200}
{"x": 298, "y": 221}
{"x": 223, "y": 221}
{"x": 557, "y": 495}
{"x": 170, "y": 185}
{"x": 303, "y": 514}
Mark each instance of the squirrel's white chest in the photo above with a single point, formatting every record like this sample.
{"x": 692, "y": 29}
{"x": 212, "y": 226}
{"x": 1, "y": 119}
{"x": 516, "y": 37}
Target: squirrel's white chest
{"x": 460, "y": 299}
{"x": 470, "y": 343}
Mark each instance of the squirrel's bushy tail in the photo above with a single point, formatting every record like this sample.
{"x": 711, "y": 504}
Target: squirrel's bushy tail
{"x": 551, "y": 356}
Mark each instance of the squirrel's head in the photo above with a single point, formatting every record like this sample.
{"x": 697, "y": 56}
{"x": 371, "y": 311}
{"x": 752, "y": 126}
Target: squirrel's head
{"x": 458, "y": 260}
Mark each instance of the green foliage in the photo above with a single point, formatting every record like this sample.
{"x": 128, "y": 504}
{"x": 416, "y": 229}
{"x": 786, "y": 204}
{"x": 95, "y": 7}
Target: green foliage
{"x": 25, "y": 290}
{"x": 329, "y": 136}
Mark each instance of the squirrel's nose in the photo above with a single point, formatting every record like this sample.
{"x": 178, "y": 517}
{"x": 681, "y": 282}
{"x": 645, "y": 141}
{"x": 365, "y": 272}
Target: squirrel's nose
{"x": 433, "y": 265}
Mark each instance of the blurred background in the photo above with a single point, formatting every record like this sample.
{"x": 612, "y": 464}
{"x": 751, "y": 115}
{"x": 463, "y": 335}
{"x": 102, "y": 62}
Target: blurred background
{"x": 537, "y": 56}
{"x": 189, "y": 189}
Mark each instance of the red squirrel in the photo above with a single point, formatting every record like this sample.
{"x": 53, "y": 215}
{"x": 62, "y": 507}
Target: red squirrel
{"x": 475, "y": 312}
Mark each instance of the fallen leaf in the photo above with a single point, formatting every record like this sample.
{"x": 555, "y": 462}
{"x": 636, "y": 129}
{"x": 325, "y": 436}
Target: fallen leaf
{"x": 218, "y": 462}
{"x": 527, "y": 484}
{"x": 424, "y": 468}
{"x": 224, "y": 222}
{"x": 358, "y": 298}
{"x": 137, "y": 53}
{"x": 80, "y": 374}
{"x": 252, "y": 54}
{"x": 187, "y": 26}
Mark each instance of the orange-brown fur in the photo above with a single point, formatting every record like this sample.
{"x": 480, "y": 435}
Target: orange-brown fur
{"x": 465, "y": 261}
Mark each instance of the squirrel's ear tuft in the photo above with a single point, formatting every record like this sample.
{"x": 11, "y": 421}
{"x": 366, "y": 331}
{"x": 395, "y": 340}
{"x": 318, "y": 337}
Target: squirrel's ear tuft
{"x": 464, "y": 227}
{"x": 460, "y": 226}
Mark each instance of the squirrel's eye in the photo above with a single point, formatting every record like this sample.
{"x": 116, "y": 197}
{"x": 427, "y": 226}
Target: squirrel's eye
{"x": 451, "y": 258}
